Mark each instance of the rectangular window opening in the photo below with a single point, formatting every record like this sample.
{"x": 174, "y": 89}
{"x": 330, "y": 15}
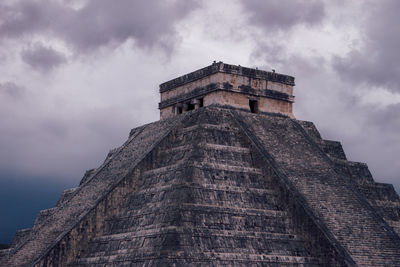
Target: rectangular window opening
{"x": 253, "y": 104}
{"x": 201, "y": 103}
{"x": 190, "y": 107}
{"x": 179, "y": 110}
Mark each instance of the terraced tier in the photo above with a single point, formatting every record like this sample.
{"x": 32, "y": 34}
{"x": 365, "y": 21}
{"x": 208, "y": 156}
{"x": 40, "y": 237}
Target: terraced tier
{"x": 201, "y": 199}
{"x": 382, "y": 197}
{"x": 329, "y": 192}
{"x": 53, "y": 224}
{"x": 220, "y": 187}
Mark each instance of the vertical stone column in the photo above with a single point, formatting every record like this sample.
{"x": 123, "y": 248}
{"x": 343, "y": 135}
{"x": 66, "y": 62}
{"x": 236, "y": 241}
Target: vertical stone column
{"x": 185, "y": 107}
{"x": 178, "y": 106}
{"x": 196, "y": 103}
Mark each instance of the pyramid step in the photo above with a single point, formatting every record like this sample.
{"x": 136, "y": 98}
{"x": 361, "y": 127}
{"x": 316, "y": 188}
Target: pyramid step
{"x": 227, "y": 127}
{"x": 395, "y": 225}
{"x": 226, "y": 167}
{"x": 227, "y": 163}
{"x": 201, "y": 165}
{"x": 218, "y": 241}
{"x": 42, "y": 216}
{"x": 186, "y": 193}
{"x": 199, "y": 220}
{"x": 206, "y": 186}
{"x": 230, "y": 210}
{"x": 182, "y": 258}
{"x": 170, "y": 156}
{"x": 223, "y": 154}
{"x": 20, "y": 236}
{"x": 198, "y": 231}
{"x": 193, "y": 216}
{"x": 250, "y": 223}
{"x": 179, "y": 174}
{"x": 239, "y": 178}
{"x": 237, "y": 149}
{"x": 214, "y": 134}
{"x": 5, "y": 252}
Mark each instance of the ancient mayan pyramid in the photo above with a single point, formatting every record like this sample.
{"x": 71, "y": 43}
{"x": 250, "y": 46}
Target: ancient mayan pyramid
{"x": 227, "y": 177}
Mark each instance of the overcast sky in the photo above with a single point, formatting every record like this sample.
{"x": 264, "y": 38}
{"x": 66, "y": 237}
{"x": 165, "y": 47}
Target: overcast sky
{"x": 77, "y": 75}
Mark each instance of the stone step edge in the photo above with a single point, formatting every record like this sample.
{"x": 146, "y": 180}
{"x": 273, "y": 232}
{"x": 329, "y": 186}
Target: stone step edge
{"x": 221, "y": 127}
{"x": 212, "y": 232}
{"x": 210, "y": 256}
{"x": 208, "y": 187}
{"x": 208, "y": 146}
{"x": 200, "y": 232}
{"x": 204, "y": 165}
{"x": 220, "y": 209}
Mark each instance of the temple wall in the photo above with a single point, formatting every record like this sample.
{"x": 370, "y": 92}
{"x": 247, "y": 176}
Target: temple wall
{"x": 280, "y": 87}
{"x": 186, "y": 88}
{"x": 238, "y": 100}
{"x": 236, "y": 81}
{"x": 241, "y": 101}
{"x": 167, "y": 112}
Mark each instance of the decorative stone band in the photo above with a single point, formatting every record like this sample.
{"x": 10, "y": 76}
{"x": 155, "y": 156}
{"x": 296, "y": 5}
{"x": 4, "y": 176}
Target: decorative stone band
{"x": 201, "y": 91}
{"x": 226, "y": 68}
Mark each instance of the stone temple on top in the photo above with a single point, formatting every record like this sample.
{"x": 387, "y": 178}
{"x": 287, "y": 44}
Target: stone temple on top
{"x": 228, "y": 85}
{"x": 226, "y": 177}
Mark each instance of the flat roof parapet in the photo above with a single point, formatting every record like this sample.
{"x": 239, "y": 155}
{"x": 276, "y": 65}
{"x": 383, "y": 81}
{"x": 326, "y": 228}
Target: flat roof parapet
{"x": 226, "y": 68}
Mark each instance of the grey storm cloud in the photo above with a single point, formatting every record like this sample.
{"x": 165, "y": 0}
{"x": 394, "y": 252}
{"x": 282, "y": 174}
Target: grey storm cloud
{"x": 98, "y": 23}
{"x": 378, "y": 141}
{"x": 377, "y": 61}
{"x": 42, "y": 58}
{"x": 284, "y": 14}
{"x": 11, "y": 90}
{"x": 276, "y": 18}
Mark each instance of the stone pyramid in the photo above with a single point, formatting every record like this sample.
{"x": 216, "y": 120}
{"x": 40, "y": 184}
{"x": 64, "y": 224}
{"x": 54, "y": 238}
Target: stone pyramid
{"x": 225, "y": 178}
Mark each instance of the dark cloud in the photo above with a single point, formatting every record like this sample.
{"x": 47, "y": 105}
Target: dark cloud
{"x": 42, "y": 58}
{"x": 377, "y": 61}
{"x": 277, "y": 18}
{"x": 60, "y": 143}
{"x": 11, "y": 90}
{"x": 22, "y": 197}
{"x": 284, "y": 14}
{"x": 377, "y": 141}
{"x": 368, "y": 132}
{"x": 97, "y": 24}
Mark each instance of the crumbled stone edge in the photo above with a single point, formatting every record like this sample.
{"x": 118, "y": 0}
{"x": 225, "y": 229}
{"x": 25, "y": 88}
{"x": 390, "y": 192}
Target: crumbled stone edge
{"x": 132, "y": 135}
{"x": 226, "y": 68}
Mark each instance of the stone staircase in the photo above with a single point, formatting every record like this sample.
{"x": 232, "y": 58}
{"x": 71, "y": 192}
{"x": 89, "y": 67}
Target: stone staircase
{"x": 382, "y": 197}
{"x": 334, "y": 197}
{"x": 201, "y": 199}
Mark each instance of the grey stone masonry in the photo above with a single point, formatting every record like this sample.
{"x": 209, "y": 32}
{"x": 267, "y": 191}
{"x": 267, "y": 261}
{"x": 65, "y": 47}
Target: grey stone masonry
{"x": 202, "y": 199}
{"x": 331, "y": 194}
{"x": 219, "y": 186}
{"x": 49, "y": 231}
{"x": 226, "y": 68}
{"x": 381, "y": 196}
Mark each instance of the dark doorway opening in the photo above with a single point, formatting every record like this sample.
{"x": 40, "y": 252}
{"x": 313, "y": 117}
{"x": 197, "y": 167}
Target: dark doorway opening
{"x": 190, "y": 107}
{"x": 201, "y": 102}
{"x": 253, "y": 106}
{"x": 179, "y": 110}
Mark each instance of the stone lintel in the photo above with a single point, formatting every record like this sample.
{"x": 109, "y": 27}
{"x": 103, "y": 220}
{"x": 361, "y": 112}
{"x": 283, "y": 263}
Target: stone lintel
{"x": 230, "y": 69}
